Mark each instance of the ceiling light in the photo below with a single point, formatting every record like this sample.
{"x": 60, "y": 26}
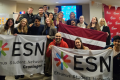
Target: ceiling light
{"x": 29, "y": 0}
{"x": 57, "y": 2}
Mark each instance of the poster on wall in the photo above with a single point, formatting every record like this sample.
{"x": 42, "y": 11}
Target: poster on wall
{"x": 112, "y": 18}
{"x": 3, "y": 19}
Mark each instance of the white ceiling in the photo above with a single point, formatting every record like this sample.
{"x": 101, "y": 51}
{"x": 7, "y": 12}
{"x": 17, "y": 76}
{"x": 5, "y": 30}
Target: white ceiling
{"x": 62, "y": 2}
{"x": 53, "y": 2}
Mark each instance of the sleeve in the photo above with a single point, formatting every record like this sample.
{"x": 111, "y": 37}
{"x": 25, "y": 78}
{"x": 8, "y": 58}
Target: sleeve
{"x": 54, "y": 32}
{"x": 66, "y": 45}
{"x": 48, "y": 52}
{"x": 21, "y": 17}
{"x": 1, "y": 29}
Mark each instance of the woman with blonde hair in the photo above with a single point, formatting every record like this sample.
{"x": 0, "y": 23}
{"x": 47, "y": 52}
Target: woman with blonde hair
{"x": 50, "y": 31}
{"x": 59, "y": 19}
{"x": 105, "y": 28}
{"x": 22, "y": 27}
{"x": 94, "y": 24}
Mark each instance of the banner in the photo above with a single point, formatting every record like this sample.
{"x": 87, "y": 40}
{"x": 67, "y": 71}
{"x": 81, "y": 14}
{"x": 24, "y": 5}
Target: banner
{"x": 22, "y": 54}
{"x": 76, "y": 64}
{"x": 91, "y": 38}
{"x": 112, "y": 17}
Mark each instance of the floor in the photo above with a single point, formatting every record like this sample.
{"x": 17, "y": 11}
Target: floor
{"x": 27, "y": 77}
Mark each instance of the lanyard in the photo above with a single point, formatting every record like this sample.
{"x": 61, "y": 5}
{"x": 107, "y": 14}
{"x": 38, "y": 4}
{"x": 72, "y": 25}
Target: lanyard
{"x": 8, "y": 32}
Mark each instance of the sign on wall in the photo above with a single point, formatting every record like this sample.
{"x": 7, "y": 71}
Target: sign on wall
{"x": 112, "y": 17}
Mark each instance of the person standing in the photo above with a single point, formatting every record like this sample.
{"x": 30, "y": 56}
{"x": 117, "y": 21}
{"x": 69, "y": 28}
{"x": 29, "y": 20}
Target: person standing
{"x": 105, "y": 28}
{"x": 7, "y": 29}
{"x": 41, "y": 15}
{"x": 45, "y": 8}
{"x": 59, "y": 19}
{"x": 28, "y": 15}
{"x": 21, "y": 29}
{"x": 116, "y": 56}
{"x": 37, "y": 28}
{"x": 94, "y": 24}
{"x": 55, "y": 13}
{"x": 72, "y": 17}
{"x": 58, "y": 41}
{"x": 82, "y": 24}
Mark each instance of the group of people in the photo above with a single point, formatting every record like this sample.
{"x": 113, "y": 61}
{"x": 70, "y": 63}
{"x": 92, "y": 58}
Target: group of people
{"x": 46, "y": 23}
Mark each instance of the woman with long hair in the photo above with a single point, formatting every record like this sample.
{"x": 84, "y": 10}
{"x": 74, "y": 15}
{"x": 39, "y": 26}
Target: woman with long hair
{"x": 79, "y": 44}
{"x": 59, "y": 19}
{"x": 72, "y": 18}
{"x": 22, "y": 27}
{"x": 105, "y": 28}
{"x": 94, "y": 24}
{"x": 7, "y": 29}
{"x": 50, "y": 31}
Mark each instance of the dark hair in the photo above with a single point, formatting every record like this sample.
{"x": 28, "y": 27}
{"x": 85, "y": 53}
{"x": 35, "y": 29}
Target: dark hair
{"x": 7, "y": 26}
{"x": 52, "y": 14}
{"x": 97, "y": 27}
{"x": 82, "y": 46}
{"x": 40, "y": 7}
{"x": 116, "y": 37}
{"x": 44, "y": 5}
{"x": 37, "y": 17}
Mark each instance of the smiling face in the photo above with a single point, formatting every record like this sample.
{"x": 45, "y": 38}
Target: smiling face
{"x": 47, "y": 21}
{"x": 23, "y": 22}
{"x": 102, "y": 22}
{"x": 41, "y": 11}
{"x": 78, "y": 44}
{"x": 60, "y": 16}
{"x": 73, "y": 23}
{"x": 116, "y": 43}
{"x": 72, "y": 15}
{"x": 58, "y": 38}
{"x": 51, "y": 16}
{"x": 81, "y": 19}
{"x": 10, "y": 23}
{"x": 55, "y": 10}
{"x": 37, "y": 22}
{"x": 30, "y": 10}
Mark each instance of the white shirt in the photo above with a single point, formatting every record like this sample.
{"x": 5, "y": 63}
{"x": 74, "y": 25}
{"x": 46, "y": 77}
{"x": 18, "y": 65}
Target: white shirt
{"x": 81, "y": 25}
{"x": 115, "y": 52}
{"x": 101, "y": 28}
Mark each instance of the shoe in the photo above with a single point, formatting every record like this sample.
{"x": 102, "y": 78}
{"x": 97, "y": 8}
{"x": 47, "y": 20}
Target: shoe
{"x": 17, "y": 77}
{"x": 22, "y": 76}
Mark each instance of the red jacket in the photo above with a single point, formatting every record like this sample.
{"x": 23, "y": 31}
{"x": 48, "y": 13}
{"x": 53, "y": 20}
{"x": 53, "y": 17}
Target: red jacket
{"x": 62, "y": 44}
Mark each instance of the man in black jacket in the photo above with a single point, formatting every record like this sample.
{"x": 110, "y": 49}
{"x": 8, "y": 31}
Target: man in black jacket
{"x": 28, "y": 15}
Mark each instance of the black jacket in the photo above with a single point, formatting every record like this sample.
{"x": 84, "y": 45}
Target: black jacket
{"x": 35, "y": 30}
{"x": 30, "y": 19}
{"x": 106, "y": 29}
